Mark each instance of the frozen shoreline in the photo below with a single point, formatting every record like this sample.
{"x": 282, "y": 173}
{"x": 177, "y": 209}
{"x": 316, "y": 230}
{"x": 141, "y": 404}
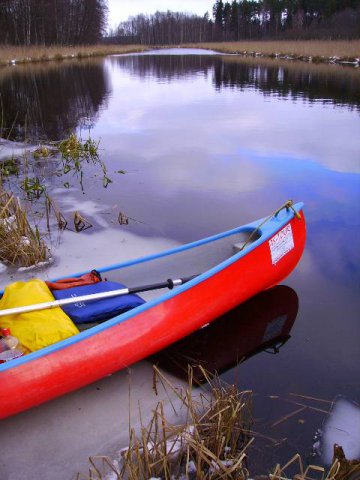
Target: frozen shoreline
{"x": 56, "y": 439}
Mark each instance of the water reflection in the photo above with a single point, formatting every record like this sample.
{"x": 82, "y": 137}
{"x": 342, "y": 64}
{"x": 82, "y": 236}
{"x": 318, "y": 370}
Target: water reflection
{"x": 342, "y": 427}
{"x": 335, "y": 84}
{"x": 165, "y": 67}
{"x": 208, "y": 144}
{"x": 263, "y": 323}
{"x": 50, "y": 101}
{"x": 289, "y": 81}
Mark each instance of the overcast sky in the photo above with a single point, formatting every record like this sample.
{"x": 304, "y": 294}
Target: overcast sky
{"x": 120, "y": 10}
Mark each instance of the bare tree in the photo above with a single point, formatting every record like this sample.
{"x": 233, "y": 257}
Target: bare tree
{"x": 27, "y": 22}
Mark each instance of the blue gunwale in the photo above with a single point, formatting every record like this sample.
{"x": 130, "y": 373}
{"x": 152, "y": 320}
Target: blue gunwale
{"x": 265, "y": 232}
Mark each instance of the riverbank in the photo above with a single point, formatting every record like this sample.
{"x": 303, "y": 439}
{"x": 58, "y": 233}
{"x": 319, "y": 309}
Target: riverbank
{"x": 12, "y": 55}
{"x": 316, "y": 51}
{"x": 212, "y": 438}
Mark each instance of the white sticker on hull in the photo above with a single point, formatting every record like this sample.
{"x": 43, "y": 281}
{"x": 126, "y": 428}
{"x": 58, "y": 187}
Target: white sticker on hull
{"x": 281, "y": 244}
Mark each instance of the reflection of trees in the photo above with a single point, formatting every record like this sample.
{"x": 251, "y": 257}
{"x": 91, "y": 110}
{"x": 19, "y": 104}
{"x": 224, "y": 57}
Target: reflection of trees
{"x": 49, "y": 102}
{"x": 313, "y": 83}
{"x": 165, "y": 67}
{"x": 330, "y": 84}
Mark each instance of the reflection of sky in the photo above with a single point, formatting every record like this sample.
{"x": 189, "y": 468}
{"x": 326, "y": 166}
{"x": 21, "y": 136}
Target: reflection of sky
{"x": 199, "y": 153}
{"x": 342, "y": 428}
{"x": 175, "y": 51}
{"x": 200, "y": 160}
{"x": 192, "y": 115}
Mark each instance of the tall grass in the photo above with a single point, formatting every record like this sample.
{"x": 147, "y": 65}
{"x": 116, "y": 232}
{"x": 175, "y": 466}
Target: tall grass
{"x": 20, "y": 243}
{"x": 320, "y": 50}
{"x": 10, "y": 54}
{"x": 211, "y": 444}
{"x": 341, "y": 469}
{"x": 316, "y": 50}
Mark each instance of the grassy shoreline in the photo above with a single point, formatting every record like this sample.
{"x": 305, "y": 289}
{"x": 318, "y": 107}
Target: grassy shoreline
{"x": 12, "y": 55}
{"x": 314, "y": 51}
{"x": 208, "y": 435}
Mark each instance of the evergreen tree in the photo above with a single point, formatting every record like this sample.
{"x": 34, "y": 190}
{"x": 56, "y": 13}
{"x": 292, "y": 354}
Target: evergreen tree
{"x": 235, "y": 20}
{"x": 227, "y": 20}
{"x": 218, "y": 12}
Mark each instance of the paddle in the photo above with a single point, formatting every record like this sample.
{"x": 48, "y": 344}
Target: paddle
{"x": 95, "y": 296}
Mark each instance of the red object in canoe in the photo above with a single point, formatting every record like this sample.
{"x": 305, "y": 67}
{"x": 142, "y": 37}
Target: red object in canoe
{"x": 230, "y": 276}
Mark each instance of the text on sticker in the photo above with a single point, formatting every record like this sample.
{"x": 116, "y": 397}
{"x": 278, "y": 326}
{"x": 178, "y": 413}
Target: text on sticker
{"x": 281, "y": 244}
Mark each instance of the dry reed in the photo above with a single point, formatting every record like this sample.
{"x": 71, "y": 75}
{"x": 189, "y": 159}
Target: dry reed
{"x": 20, "y": 243}
{"x": 341, "y": 469}
{"x": 211, "y": 444}
{"x": 314, "y": 50}
{"x": 10, "y": 54}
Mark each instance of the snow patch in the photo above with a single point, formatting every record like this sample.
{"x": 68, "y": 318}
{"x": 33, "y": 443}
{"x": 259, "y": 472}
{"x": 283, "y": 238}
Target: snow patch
{"x": 343, "y": 428}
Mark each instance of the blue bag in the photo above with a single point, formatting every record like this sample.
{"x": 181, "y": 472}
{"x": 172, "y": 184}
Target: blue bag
{"x": 97, "y": 310}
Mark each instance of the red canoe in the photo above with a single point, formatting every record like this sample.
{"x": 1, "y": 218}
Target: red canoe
{"x": 227, "y": 275}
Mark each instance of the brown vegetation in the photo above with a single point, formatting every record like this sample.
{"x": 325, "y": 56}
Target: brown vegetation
{"x": 10, "y": 55}
{"x": 310, "y": 50}
{"x": 211, "y": 444}
{"x": 316, "y": 50}
{"x": 20, "y": 243}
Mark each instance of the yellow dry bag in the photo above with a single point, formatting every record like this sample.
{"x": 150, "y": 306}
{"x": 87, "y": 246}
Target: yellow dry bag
{"x": 37, "y": 329}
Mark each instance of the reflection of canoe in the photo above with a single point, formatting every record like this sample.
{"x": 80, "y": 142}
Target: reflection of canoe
{"x": 227, "y": 276}
{"x": 262, "y": 323}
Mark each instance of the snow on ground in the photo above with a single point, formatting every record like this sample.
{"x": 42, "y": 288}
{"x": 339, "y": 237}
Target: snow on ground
{"x": 84, "y": 251}
{"x": 55, "y": 440}
{"x": 343, "y": 428}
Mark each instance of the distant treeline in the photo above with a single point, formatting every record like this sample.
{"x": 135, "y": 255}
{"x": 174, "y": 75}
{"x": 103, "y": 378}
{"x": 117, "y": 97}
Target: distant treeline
{"x": 74, "y": 22}
{"x": 246, "y": 19}
{"x": 48, "y": 22}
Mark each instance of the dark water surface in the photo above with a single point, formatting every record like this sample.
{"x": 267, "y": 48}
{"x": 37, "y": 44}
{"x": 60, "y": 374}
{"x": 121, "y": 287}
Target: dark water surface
{"x": 207, "y": 143}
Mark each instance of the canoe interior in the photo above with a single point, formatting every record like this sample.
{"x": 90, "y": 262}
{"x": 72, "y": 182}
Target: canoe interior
{"x": 181, "y": 264}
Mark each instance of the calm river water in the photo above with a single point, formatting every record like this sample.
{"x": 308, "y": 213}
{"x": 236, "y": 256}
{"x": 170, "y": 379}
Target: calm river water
{"x": 208, "y": 142}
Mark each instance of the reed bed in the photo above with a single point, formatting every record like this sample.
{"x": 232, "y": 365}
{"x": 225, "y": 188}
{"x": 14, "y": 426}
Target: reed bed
{"x": 20, "y": 243}
{"x": 11, "y": 55}
{"x": 341, "y": 469}
{"x": 211, "y": 443}
{"x": 319, "y": 51}
{"x": 310, "y": 50}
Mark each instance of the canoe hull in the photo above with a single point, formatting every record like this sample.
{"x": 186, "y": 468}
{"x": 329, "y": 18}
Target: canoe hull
{"x": 114, "y": 348}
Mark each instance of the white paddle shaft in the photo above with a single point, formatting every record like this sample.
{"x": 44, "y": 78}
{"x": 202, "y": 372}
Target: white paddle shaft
{"x": 92, "y": 296}
{"x": 64, "y": 301}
